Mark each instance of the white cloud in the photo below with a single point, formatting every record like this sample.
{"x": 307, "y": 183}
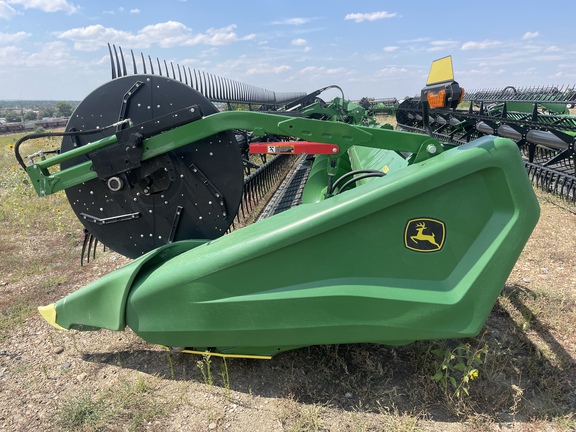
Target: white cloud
{"x": 564, "y": 75}
{"x": 6, "y": 11}
{"x": 10, "y": 38}
{"x": 299, "y": 42}
{"x": 281, "y": 68}
{"x": 211, "y": 52}
{"x": 471, "y": 45}
{"x": 9, "y": 53}
{"x": 530, "y": 35}
{"x": 264, "y": 68}
{"x": 390, "y": 48}
{"x": 417, "y": 40}
{"x": 135, "y": 11}
{"x": 293, "y": 21}
{"x": 50, "y": 55}
{"x": 371, "y": 16}
{"x": 392, "y": 71}
{"x": 46, "y": 5}
{"x": 166, "y": 35}
{"x": 93, "y": 37}
{"x": 441, "y": 45}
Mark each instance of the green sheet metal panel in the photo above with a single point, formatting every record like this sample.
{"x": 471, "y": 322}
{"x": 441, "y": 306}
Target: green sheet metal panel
{"x": 341, "y": 270}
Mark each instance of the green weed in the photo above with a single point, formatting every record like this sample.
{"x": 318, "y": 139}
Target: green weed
{"x": 205, "y": 369}
{"x": 81, "y": 412}
{"x": 456, "y": 368}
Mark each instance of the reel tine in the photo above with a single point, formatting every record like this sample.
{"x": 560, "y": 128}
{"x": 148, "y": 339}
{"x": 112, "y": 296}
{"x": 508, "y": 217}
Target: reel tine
{"x": 151, "y": 65}
{"x": 94, "y": 249}
{"x": 84, "y": 244}
{"x": 159, "y": 67}
{"x": 118, "y": 70}
{"x": 134, "y": 63}
{"x": 125, "y": 73}
{"x": 191, "y": 75}
{"x": 112, "y": 62}
{"x": 90, "y": 241}
{"x": 143, "y": 62}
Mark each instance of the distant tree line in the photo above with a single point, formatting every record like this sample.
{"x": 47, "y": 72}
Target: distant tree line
{"x": 27, "y": 111}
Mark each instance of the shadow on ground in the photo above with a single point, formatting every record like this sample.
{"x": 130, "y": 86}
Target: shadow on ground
{"x": 520, "y": 379}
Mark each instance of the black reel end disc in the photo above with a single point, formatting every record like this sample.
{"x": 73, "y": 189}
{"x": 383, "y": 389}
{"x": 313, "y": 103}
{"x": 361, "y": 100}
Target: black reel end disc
{"x": 192, "y": 192}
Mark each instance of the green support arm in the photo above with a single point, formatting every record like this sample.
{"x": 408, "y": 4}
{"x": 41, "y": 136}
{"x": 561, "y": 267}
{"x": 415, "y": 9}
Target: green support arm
{"x": 342, "y": 134}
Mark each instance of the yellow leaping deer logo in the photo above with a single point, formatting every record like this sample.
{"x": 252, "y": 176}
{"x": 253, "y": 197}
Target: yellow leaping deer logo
{"x": 424, "y": 235}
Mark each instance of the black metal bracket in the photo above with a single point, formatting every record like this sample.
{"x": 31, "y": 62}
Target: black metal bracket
{"x": 126, "y": 154}
{"x": 215, "y": 192}
{"x": 118, "y": 158}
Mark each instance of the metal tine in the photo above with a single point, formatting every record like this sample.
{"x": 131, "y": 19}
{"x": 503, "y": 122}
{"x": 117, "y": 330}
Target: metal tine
{"x": 204, "y": 84}
{"x": 232, "y": 84}
{"x": 238, "y": 88}
{"x": 90, "y": 240}
{"x": 198, "y": 77}
{"x": 84, "y": 244}
{"x": 221, "y": 89}
{"x": 173, "y": 74}
{"x": 219, "y": 93}
{"x": 151, "y": 65}
{"x": 124, "y": 72}
{"x": 227, "y": 94}
{"x": 226, "y": 89}
{"x": 234, "y": 95}
{"x": 210, "y": 85}
{"x": 159, "y": 67}
{"x": 191, "y": 81}
{"x": 166, "y": 69}
{"x": 134, "y": 63}
{"x": 196, "y": 83}
{"x": 118, "y": 70}
{"x": 112, "y": 62}
{"x": 143, "y": 62}
{"x": 94, "y": 248}
{"x": 180, "y": 75}
{"x": 214, "y": 83}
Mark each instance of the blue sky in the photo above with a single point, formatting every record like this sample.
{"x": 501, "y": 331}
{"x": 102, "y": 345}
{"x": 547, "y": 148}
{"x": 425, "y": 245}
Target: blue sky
{"x": 56, "y": 49}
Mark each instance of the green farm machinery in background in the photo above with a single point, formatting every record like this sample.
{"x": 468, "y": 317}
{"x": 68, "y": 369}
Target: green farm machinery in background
{"x": 538, "y": 119}
{"x": 394, "y": 236}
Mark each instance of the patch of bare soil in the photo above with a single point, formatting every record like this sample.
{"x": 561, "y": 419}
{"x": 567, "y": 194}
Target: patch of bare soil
{"x": 55, "y": 380}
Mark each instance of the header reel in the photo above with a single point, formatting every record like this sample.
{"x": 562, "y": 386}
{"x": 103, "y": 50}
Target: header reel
{"x": 135, "y": 205}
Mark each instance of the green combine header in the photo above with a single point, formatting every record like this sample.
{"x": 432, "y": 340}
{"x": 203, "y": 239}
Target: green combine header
{"x": 396, "y": 237}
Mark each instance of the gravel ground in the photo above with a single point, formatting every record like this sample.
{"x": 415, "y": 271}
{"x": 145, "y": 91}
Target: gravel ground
{"x": 53, "y": 380}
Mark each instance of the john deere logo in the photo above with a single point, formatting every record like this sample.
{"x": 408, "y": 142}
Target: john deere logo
{"x": 424, "y": 235}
